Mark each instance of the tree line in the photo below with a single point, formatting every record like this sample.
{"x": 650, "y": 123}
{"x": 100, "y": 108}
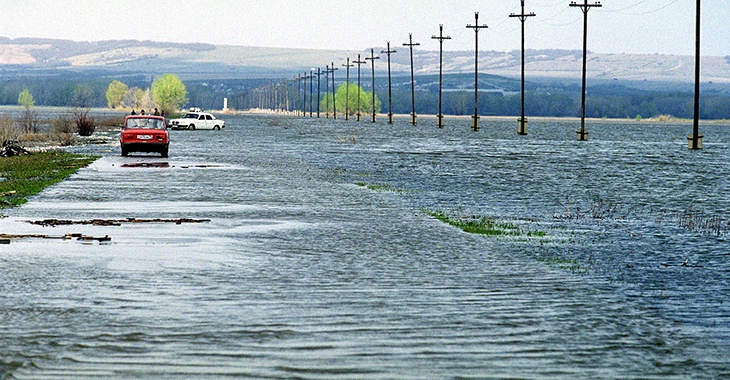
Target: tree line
{"x": 167, "y": 93}
{"x": 603, "y": 101}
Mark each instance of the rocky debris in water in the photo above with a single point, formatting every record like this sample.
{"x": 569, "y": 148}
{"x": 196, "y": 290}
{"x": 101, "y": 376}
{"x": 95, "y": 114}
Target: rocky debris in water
{"x": 166, "y": 165}
{"x": 147, "y": 165}
{"x": 112, "y": 222}
{"x": 202, "y": 166}
{"x": 10, "y": 149}
{"x": 685, "y": 264}
{"x": 7, "y": 238}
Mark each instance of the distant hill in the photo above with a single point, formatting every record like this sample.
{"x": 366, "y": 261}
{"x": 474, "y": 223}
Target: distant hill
{"x": 620, "y": 85}
{"x": 204, "y": 61}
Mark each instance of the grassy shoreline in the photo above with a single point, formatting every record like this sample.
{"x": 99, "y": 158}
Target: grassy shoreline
{"x": 24, "y": 176}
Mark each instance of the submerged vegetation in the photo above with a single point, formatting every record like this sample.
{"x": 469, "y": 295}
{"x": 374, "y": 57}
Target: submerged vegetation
{"x": 484, "y": 225}
{"x": 380, "y": 187}
{"x": 27, "y": 175}
{"x": 694, "y": 221}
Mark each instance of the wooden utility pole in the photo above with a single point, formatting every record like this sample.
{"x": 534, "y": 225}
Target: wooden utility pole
{"x": 476, "y": 27}
{"x": 372, "y": 59}
{"x": 327, "y": 91}
{"x": 522, "y": 122}
{"x": 319, "y": 91}
{"x": 286, "y": 95}
{"x": 334, "y": 104}
{"x": 359, "y": 89}
{"x": 304, "y": 103}
{"x": 347, "y": 89}
{"x": 585, "y": 7}
{"x": 390, "y": 95}
{"x": 696, "y": 138}
{"x": 441, "y": 39}
{"x": 410, "y": 44}
{"x": 299, "y": 93}
{"x": 311, "y": 97}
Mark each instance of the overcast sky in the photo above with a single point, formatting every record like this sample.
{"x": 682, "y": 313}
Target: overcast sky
{"x": 620, "y": 26}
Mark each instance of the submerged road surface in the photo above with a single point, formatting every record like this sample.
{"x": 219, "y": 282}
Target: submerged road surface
{"x": 320, "y": 259}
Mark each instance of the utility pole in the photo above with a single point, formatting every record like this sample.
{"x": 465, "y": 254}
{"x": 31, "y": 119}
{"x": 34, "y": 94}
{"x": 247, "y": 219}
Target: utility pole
{"x": 319, "y": 74}
{"x": 347, "y": 89}
{"x": 585, "y": 7}
{"x": 334, "y": 104}
{"x": 286, "y": 95}
{"x": 522, "y": 122}
{"x": 359, "y": 89}
{"x": 441, "y": 39}
{"x": 279, "y": 97}
{"x": 304, "y": 103}
{"x": 299, "y": 92}
{"x": 695, "y": 142}
{"x": 410, "y": 44}
{"x": 372, "y": 59}
{"x": 311, "y": 84}
{"x": 390, "y": 94}
{"x": 327, "y": 91}
{"x": 476, "y": 27}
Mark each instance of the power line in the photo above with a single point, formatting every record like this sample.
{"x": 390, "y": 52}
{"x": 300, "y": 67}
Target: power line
{"x": 621, "y": 11}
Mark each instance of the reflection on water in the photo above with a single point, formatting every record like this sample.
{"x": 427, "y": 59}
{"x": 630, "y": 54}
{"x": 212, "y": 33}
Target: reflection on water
{"x": 301, "y": 273}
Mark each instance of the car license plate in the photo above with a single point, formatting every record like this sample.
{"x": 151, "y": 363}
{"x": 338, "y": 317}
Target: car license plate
{"x": 144, "y": 137}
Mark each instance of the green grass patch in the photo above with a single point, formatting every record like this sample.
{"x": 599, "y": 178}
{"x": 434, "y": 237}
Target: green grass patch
{"x": 484, "y": 225}
{"x": 25, "y": 176}
{"x": 380, "y": 187}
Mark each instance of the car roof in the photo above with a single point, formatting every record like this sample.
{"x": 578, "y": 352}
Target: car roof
{"x": 144, "y": 117}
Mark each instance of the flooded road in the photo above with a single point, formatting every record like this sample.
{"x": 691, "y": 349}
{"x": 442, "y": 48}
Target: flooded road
{"x": 320, "y": 260}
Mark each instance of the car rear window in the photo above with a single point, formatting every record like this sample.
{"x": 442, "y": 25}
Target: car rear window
{"x": 145, "y": 123}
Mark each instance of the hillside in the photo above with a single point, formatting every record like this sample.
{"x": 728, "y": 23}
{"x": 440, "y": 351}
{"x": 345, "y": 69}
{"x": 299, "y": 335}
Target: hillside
{"x": 201, "y": 61}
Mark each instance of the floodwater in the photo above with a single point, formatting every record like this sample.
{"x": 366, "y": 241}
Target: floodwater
{"x": 305, "y": 272}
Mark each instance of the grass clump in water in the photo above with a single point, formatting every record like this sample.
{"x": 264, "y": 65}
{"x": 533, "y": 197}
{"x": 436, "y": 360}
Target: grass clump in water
{"x": 380, "y": 187}
{"x": 27, "y": 175}
{"x": 484, "y": 225}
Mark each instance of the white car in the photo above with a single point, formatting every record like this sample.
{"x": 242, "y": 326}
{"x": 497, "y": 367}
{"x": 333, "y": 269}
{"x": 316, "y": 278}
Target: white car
{"x": 197, "y": 120}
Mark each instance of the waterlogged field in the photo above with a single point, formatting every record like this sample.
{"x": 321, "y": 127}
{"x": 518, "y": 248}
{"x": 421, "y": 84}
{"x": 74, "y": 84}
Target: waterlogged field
{"x": 341, "y": 250}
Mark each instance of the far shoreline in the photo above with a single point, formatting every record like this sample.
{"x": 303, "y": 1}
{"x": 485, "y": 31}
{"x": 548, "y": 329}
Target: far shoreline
{"x": 9, "y": 110}
{"x": 654, "y": 120}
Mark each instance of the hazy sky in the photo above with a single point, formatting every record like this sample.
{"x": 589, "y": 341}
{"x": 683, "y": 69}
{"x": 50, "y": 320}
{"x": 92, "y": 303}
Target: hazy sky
{"x": 620, "y": 26}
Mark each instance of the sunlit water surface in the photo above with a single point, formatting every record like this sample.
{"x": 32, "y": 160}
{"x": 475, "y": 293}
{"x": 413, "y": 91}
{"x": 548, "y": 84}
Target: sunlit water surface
{"x": 305, "y": 272}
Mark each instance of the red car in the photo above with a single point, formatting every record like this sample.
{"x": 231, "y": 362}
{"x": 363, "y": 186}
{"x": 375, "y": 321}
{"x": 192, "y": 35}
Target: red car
{"x": 145, "y": 133}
